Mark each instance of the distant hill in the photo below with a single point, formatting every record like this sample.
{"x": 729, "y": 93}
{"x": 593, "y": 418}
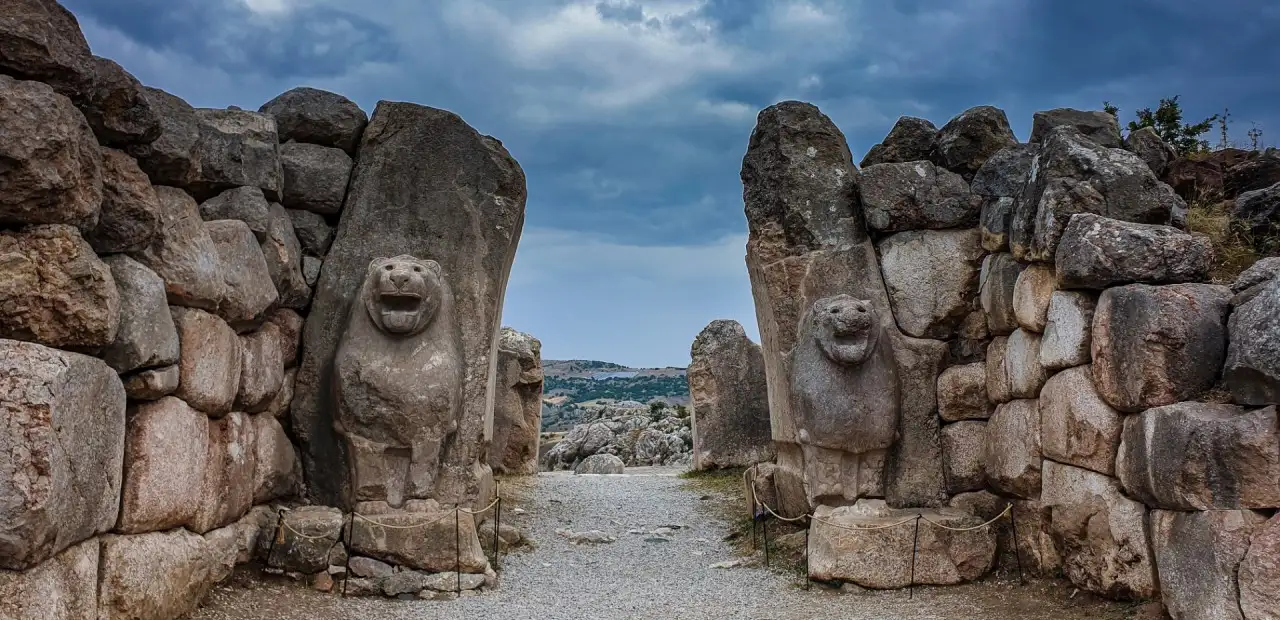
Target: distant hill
{"x": 570, "y": 383}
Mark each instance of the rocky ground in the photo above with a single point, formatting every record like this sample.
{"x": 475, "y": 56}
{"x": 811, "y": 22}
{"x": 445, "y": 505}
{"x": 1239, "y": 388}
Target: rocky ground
{"x": 640, "y": 435}
{"x": 647, "y": 575}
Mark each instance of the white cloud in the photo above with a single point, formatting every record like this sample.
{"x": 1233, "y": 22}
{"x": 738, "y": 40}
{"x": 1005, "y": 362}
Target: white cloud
{"x": 273, "y": 7}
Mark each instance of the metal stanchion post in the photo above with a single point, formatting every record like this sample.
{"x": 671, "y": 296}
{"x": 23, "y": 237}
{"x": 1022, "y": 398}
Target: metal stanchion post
{"x": 346, "y": 574}
{"x": 1017, "y": 553}
{"x": 457, "y": 547}
{"x": 915, "y": 544}
{"x": 764, "y": 526}
{"x": 497, "y": 534}
{"x": 807, "y": 583}
{"x": 271, "y": 549}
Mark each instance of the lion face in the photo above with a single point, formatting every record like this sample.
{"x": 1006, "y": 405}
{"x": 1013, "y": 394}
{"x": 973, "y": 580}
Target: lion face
{"x": 845, "y": 328}
{"x": 403, "y": 294}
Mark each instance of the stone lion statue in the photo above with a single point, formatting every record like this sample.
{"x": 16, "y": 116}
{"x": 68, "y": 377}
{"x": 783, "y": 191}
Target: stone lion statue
{"x": 845, "y": 396}
{"x": 398, "y": 380}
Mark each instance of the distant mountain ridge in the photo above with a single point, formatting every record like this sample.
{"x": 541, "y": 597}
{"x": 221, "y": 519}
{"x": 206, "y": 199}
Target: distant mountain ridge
{"x": 569, "y": 384}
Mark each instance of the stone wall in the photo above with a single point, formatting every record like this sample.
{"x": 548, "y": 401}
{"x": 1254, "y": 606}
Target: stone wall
{"x": 1079, "y": 363}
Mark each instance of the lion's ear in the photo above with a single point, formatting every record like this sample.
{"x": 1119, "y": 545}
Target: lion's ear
{"x": 433, "y": 266}
{"x": 377, "y": 263}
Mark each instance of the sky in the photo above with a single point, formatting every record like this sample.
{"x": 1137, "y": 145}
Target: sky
{"x": 630, "y": 117}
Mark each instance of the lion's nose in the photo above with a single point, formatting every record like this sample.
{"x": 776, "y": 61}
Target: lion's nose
{"x": 399, "y": 278}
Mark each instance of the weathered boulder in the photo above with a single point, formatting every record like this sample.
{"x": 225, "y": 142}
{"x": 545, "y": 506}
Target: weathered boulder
{"x": 600, "y": 464}
{"x": 729, "y": 397}
{"x": 115, "y": 103}
{"x": 210, "y": 364}
{"x": 146, "y": 337}
{"x": 1158, "y": 345}
{"x": 61, "y": 447}
{"x": 1000, "y": 182}
{"x": 311, "y": 270}
{"x": 226, "y": 492}
{"x": 1035, "y": 551}
{"x": 314, "y": 234}
{"x": 171, "y": 158}
{"x": 284, "y": 258}
{"x": 1258, "y": 213}
{"x": 1100, "y": 534}
{"x": 962, "y": 393}
{"x": 250, "y": 290}
{"x": 1259, "y": 574}
{"x": 1101, "y": 127}
{"x": 1077, "y": 427}
{"x": 998, "y": 388}
{"x": 1011, "y": 455}
{"x": 1252, "y": 369}
{"x": 130, "y": 217}
{"x": 261, "y": 368}
{"x": 1032, "y": 293}
{"x": 277, "y": 470}
{"x": 1148, "y": 145}
{"x": 306, "y": 535}
{"x": 1098, "y": 252}
{"x": 1068, "y": 330}
{"x": 54, "y": 290}
{"x": 1076, "y": 175}
{"x": 1202, "y": 456}
{"x": 962, "y": 454}
{"x": 910, "y": 139}
{"x": 183, "y": 254}
{"x": 779, "y": 488}
{"x": 318, "y": 117}
{"x": 932, "y": 278}
{"x": 62, "y": 588}
{"x": 153, "y": 576}
{"x": 1255, "y": 170}
{"x": 967, "y": 141}
{"x": 477, "y": 193}
{"x": 1197, "y": 556}
{"x": 1022, "y": 364}
{"x": 40, "y": 39}
{"x": 996, "y": 284}
{"x": 152, "y": 384}
{"x": 238, "y": 543}
{"x": 1254, "y": 279}
{"x": 431, "y": 546}
{"x": 517, "y": 406}
{"x": 236, "y": 148}
{"x": 315, "y": 177}
{"x": 875, "y": 558}
{"x": 53, "y": 165}
{"x": 289, "y": 325}
{"x": 166, "y": 456}
{"x": 279, "y": 407}
{"x": 247, "y": 204}
{"x": 916, "y": 195}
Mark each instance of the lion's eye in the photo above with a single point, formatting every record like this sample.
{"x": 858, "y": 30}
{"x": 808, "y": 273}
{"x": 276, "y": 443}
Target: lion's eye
{"x": 861, "y": 309}
{"x": 388, "y": 267}
{"x": 417, "y": 269}
{"x": 835, "y": 311}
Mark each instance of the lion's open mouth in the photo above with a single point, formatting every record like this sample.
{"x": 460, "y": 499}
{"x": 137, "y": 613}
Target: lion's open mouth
{"x": 400, "y": 311}
{"x": 400, "y": 302}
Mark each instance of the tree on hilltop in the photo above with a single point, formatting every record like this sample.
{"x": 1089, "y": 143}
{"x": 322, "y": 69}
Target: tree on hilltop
{"x": 1166, "y": 120}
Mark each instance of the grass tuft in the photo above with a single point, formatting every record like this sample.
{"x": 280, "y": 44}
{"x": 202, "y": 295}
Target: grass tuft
{"x": 1233, "y": 249}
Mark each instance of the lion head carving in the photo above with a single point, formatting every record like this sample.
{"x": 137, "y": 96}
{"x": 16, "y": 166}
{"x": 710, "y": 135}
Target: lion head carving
{"x": 403, "y": 294}
{"x": 845, "y": 328}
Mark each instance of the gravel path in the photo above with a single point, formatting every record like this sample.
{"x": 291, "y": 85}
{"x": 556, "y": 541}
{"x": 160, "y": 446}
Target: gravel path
{"x": 637, "y": 577}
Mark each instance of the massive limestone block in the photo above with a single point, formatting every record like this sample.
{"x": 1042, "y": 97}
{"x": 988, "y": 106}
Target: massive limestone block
{"x": 1158, "y": 345}
{"x": 967, "y": 141}
{"x": 289, "y": 327}
{"x": 1100, "y": 127}
{"x": 54, "y": 290}
{"x": 779, "y": 488}
{"x": 226, "y": 492}
{"x": 1254, "y": 280}
{"x": 910, "y": 139}
{"x": 962, "y": 452}
{"x": 1201, "y": 456}
{"x": 317, "y": 117}
{"x": 1148, "y": 145}
{"x": 115, "y": 103}
{"x": 61, "y": 448}
{"x": 932, "y": 277}
{"x": 313, "y": 232}
{"x": 962, "y": 393}
{"x": 1036, "y": 553}
{"x": 1252, "y": 370}
{"x": 1259, "y": 575}
{"x": 146, "y": 337}
{"x": 247, "y": 204}
{"x": 1011, "y": 456}
{"x": 1076, "y": 175}
{"x": 237, "y": 148}
{"x": 303, "y": 542}
{"x": 315, "y": 177}
{"x": 432, "y": 546}
{"x": 63, "y": 588}
{"x": 154, "y": 576}
{"x": 166, "y": 456}
{"x": 1022, "y": 365}
{"x": 53, "y": 165}
{"x": 398, "y": 379}
{"x": 998, "y": 388}
{"x": 1258, "y": 212}
{"x": 1068, "y": 330}
{"x": 1032, "y": 293}
{"x": 250, "y": 291}
{"x": 996, "y": 284}
{"x": 284, "y": 258}
{"x": 1097, "y": 252}
{"x": 130, "y": 217}
{"x": 277, "y": 471}
{"x": 1000, "y": 182}
{"x": 183, "y": 254}
{"x": 429, "y": 185}
{"x": 729, "y": 397}
{"x": 1100, "y": 534}
{"x": 882, "y": 558}
{"x": 797, "y": 255}
{"x": 916, "y": 195}
{"x": 152, "y": 384}
{"x": 210, "y": 363}
{"x": 170, "y": 159}
{"x": 1197, "y": 556}
{"x": 261, "y": 368}
{"x": 1077, "y": 427}
{"x": 517, "y": 405}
